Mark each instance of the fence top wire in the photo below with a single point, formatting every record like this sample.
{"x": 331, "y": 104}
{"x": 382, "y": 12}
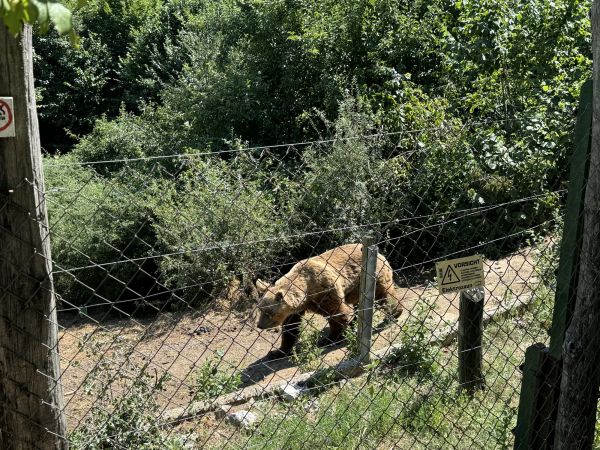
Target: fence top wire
{"x": 285, "y": 145}
{"x": 468, "y": 211}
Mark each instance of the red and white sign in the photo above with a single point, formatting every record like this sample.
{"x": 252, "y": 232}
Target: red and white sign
{"x": 7, "y": 117}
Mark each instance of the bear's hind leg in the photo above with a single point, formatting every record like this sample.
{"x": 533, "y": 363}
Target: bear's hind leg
{"x": 387, "y": 292}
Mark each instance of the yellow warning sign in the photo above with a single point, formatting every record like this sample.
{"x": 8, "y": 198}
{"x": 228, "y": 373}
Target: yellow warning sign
{"x": 455, "y": 275}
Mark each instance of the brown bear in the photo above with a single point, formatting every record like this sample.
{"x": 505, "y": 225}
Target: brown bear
{"x": 327, "y": 284}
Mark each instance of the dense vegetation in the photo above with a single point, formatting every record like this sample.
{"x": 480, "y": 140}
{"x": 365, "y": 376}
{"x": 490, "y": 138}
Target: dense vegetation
{"x": 436, "y": 107}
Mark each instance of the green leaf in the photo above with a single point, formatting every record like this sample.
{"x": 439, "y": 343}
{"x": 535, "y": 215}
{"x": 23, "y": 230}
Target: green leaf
{"x": 41, "y": 15}
{"x": 31, "y": 13}
{"x": 44, "y": 12}
{"x": 60, "y": 17}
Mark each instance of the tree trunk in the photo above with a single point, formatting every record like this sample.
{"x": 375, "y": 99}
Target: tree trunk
{"x": 31, "y": 401}
{"x": 580, "y": 374}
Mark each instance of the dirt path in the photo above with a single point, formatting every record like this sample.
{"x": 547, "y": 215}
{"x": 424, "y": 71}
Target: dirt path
{"x": 179, "y": 344}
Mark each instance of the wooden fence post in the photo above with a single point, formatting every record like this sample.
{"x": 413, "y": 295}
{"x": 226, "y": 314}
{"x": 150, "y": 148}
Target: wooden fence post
{"x": 367, "y": 299}
{"x": 580, "y": 378}
{"x": 31, "y": 399}
{"x": 470, "y": 339}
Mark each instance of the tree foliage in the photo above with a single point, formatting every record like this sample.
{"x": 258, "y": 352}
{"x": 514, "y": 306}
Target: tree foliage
{"x": 433, "y": 107}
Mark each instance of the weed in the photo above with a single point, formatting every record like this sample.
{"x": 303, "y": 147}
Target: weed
{"x": 307, "y": 354}
{"x": 351, "y": 337}
{"x": 215, "y": 378}
{"x": 416, "y": 354}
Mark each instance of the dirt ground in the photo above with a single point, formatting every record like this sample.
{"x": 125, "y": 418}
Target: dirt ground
{"x": 178, "y": 344}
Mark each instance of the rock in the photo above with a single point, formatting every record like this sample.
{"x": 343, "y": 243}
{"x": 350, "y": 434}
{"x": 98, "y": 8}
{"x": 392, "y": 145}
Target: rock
{"x": 222, "y": 411}
{"x": 187, "y": 441}
{"x": 243, "y": 419}
{"x": 312, "y": 406}
{"x": 290, "y": 392}
{"x": 200, "y": 330}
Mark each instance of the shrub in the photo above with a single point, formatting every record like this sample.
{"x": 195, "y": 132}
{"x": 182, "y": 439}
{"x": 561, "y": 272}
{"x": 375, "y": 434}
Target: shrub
{"x": 215, "y": 222}
{"x": 154, "y": 132}
{"x": 351, "y": 337}
{"x": 416, "y": 355}
{"x": 97, "y": 226}
{"x": 338, "y": 180}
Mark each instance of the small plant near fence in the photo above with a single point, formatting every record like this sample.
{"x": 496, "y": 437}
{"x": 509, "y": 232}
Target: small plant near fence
{"x": 416, "y": 355}
{"x": 307, "y": 353}
{"x": 215, "y": 377}
{"x": 351, "y": 339}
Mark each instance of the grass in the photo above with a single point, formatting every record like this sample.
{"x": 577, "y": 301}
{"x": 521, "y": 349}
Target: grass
{"x": 421, "y": 409}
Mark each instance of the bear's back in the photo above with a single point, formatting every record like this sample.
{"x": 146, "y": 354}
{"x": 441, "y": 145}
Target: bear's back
{"x": 339, "y": 267}
{"x": 340, "y": 259}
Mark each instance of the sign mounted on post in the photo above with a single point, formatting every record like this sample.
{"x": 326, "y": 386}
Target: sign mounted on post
{"x": 455, "y": 275}
{"x": 7, "y": 117}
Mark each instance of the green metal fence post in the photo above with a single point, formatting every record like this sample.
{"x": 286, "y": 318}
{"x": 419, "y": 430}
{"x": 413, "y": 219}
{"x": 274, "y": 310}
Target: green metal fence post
{"x": 540, "y": 388}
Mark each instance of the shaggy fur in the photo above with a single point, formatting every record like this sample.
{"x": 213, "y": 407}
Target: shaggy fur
{"x": 327, "y": 284}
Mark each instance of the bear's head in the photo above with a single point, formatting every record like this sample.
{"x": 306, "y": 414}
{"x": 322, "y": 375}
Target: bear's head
{"x": 272, "y": 306}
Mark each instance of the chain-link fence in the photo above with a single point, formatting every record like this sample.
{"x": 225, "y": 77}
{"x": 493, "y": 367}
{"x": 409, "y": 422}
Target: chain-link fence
{"x": 173, "y": 274}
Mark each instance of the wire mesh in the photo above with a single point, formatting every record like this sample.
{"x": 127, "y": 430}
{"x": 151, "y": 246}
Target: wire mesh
{"x": 168, "y": 340}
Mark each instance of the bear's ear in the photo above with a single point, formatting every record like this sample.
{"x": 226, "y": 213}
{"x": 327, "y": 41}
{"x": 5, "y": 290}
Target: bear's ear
{"x": 261, "y": 286}
{"x": 286, "y": 300}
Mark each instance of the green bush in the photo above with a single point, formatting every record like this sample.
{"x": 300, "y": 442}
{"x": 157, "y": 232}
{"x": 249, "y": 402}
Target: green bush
{"x": 77, "y": 85}
{"x": 416, "y": 356}
{"x": 339, "y": 184}
{"x": 96, "y": 226}
{"x": 215, "y": 223}
{"x": 154, "y": 133}
{"x": 475, "y": 113}
{"x": 159, "y": 49}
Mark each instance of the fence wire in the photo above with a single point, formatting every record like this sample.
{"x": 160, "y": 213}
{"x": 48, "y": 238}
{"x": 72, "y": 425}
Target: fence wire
{"x": 156, "y": 268}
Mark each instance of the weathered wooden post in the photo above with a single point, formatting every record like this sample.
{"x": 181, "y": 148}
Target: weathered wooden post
{"x": 367, "y": 299}
{"x": 466, "y": 275}
{"x": 580, "y": 378}
{"x": 470, "y": 339}
{"x": 31, "y": 399}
